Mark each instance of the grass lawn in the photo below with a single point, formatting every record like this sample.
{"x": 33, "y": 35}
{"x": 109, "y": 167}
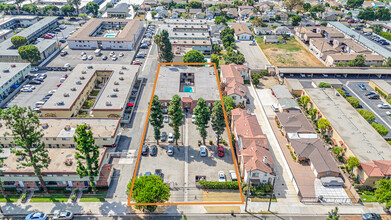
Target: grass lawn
{"x": 95, "y": 93}
{"x": 10, "y": 198}
{"x": 291, "y": 54}
{"x": 99, "y": 197}
{"x": 220, "y": 195}
{"x": 50, "y": 198}
{"x": 368, "y": 198}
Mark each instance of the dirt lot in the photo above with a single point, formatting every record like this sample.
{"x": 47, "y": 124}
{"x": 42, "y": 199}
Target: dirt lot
{"x": 267, "y": 81}
{"x": 291, "y": 54}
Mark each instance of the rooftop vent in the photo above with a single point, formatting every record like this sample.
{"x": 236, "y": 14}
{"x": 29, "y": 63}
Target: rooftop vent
{"x": 68, "y": 162}
{"x": 116, "y": 90}
{"x": 90, "y": 67}
{"x": 73, "y": 89}
{"x": 121, "y": 78}
{"x": 123, "y": 67}
{"x": 116, "y": 83}
{"x": 193, "y": 41}
{"x": 88, "y": 126}
{"x": 82, "y": 77}
{"x": 78, "y": 83}
{"x": 66, "y": 94}
{"x": 60, "y": 103}
{"x": 121, "y": 73}
{"x": 83, "y": 72}
{"x": 13, "y": 65}
{"x": 45, "y": 125}
{"x": 108, "y": 103}
{"x": 67, "y": 127}
{"x": 113, "y": 95}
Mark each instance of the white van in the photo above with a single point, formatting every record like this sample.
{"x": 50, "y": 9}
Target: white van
{"x": 275, "y": 108}
{"x": 98, "y": 52}
{"x": 232, "y": 173}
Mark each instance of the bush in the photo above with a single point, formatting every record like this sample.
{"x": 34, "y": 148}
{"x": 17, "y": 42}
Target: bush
{"x": 383, "y": 131}
{"x": 199, "y": 143}
{"x": 324, "y": 85}
{"x": 369, "y": 116}
{"x": 223, "y": 141}
{"x": 23, "y": 197}
{"x": 389, "y": 101}
{"x": 293, "y": 156}
{"x": 380, "y": 92}
{"x": 73, "y": 197}
{"x": 342, "y": 92}
{"x": 210, "y": 142}
{"x": 219, "y": 185}
{"x": 353, "y": 101}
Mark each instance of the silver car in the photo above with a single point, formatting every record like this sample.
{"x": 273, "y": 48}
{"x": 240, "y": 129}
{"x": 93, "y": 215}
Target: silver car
{"x": 170, "y": 150}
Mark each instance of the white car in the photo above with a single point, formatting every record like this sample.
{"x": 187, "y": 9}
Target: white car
{"x": 170, "y": 138}
{"x": 63, "y": 215}
{"x": 388, "y": 113}
{"x": 90, "y": 57}
{"x": 384, "y": 105}
{"x": 67, "y": 65}
{"x": 52, "y": 91}
{"x": 112, "y": 53}
{"x": 222, "y": 176}
{"x": 83, "y": 54}
{"x": 121, "y": 54}
{"x": 203, "y": 152}
{"x": 34, "y": 69}
{"x": 26, "y": 90}
{"x": 166, "y": 119}
{"x": 29, "y": 87}
{"x": 114, "y": 58}
{"x": 84, "y": 57}
{"x": 193, "y": 118}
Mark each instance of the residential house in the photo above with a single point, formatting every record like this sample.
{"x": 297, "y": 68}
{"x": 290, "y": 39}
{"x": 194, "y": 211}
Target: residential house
{"x": 321, "y": 48}
{"x": 349, "y": 46}
{"x": 120, "y": 10}
{"x": 281, "y": 16}
{"x": 288, "y": 105}
{"x": 281, "y": 91}
{"x": 330, "y": 33}
{"x": 177, "y": 12}
{"x": 282, "y": 30}
{"x": 295, "y": 125}
{"x": 330, "y": 16}
{"x": 370, "y": 172}
{"x": 254, "y": 158}
{"x": 265, "y": 17}
{"x": 247, "y": 13}
{"x": 262, "y": 30}
{"x": 210, "y": 14}
{"x": 231, "y": 12}
{"x": 196, "y": 13}
{"x": 216, "y": 29}
{"x": 307, "y": 33}
{"x": 344, "y": 58}
{"x": 232, "y": 76}
{"x": 270, "y": 39}
{"x": 242, "y": 32}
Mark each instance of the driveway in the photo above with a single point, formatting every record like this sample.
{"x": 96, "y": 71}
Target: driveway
{"x": 253, "y": 54}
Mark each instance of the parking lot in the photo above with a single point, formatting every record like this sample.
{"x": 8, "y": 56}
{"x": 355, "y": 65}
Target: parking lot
{"x": 253, "y": 54}
{"x": 74, "y": 57}
{"x": 370, "y": 104}
{"x": 181, "y": 169}
{"x": 26, "y": 99}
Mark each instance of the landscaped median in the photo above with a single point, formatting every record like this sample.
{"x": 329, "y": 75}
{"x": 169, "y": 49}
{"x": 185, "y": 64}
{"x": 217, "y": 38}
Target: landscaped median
{"x": 50, "y": 198}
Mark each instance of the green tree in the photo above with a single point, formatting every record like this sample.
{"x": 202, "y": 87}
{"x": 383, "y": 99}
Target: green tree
{"x": 218, "y": 119}
{"x": 26, "y": 131}
{"x": 353, "y": 101}
{"x": 358, "y": 61}
{"x": 50, "y": 9}
{"x": 367, "y": 14}
{"x": 215, "y": 59}
{"x": 18, "y": 4}
{"x": 296, "y": 20}
{"x": 305, "y": 99}
{"x": 229, "y": 103}
{"x": 164, "y": 45}
{"x": 30, "y": 8}
{"x": 220, "y": 20}
{"x": 387, "y": 63}
{"x": 156, "y": 117}
{"x": 153, "y": 14}
{"x": 217, "y": 49}
{"x": 92, "y": 8}
{"x": 324, "y": 85}
{"x": 195, "y": 4}
{"x": 383, "y": 14}
{"x": 383, "y": 131}
{"x": 255, "y": 78}
{"x": 383, "y": 192}
{"x": 84, "y": 16}
{"x": 18, "y": 41}
{"x": 202, "y": 117}
{"x": 87, "y": 154}
{"x": 306, "y": 6}
{"x": 193, "y": 56}
{"x": 227, "y": 36}
{"x": 29, "y": 53}
{"x": 184, "y": 217}
{"x": 313, "y": 112}
{"x": 343, "y": 93}
{"x": 317, "y": 8}
{"x": 291, "y": 4}
{"x": 176, "y": 115}
{"x": 257, "y": 21}
{"x": 234, "y": 57}
{"x": 354, "y": 3}
{"x": 338, "y": 150}
{"x": 352, "y": 163}
{"x": 369, "y": 116}
{"x": 323, "y": 124}
{"x": 149, "y": 189}
{"x": 109, "y": 5}
{"x": 333, "y": 214}
{"x": 68, "y": 9}
{"x": 76, "y": 4}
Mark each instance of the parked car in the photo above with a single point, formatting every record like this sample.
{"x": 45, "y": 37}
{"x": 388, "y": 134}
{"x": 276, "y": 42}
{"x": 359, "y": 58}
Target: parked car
{"x": 51, "y": 92}
{"x": 158, "y": 172}
{"x": 62, "y": 41}
{"x": 63, "y": 216}
{"x": 104, "y": 58}
{"x": 136, "y": 62}
{"x": 220, "y": 151}
{"x": 38, "y": 79}
{"x": 144, "y": 46}
{"x": 170, "y": 150}
{"x": 170, "y": 138}
{"x": 222, "y": 176}
{"x": 114, "y": 58}
{"x": 384, "y": 106}
{"x": 362, "y": 86}
{"x": 83, "y": 54}
{"x": 29, "y": 87}
{"x": 166, "y": 119}
{"x": 374, "y": 96}
{"x": 84, "y": 57}
{"x": 232, "y": 173}
{"x": 140, "y": 55}
{"x": 90, "y": 57}
{"x": 148, "y": 173}
{"x": 388, "y": 113}
{"x": 36, "y": 216}
{"x": 59, "y": 84}
{"x": 193, "y": 118}
{"x": 144, "y": 150}
{"x": 64, "y": 75}
{"x": 121, "y": 54}
{"x": 67, "y": 65}
{"x": 26, "y": 90}
{"x": 35, "y": 82}
{"x": 64, "y": 52}
{"x": 153, "y": 150}
{"x": 369, "y": 93}
{"x": 203, "y": 152}
{"x": 163, "y": 136}
{"x": 370, "y": 216}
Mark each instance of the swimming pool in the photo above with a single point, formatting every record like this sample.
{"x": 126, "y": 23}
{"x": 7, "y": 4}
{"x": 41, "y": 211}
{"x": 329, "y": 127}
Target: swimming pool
{"x": 187, "y": 89}
{"x": 110, "y": 35}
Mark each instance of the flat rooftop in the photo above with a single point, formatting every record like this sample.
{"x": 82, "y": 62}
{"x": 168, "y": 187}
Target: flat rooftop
{"x": 121, "y": 78}
{"x": 363, "y": 140}
{"x": 335, "y": 70}
{"x": 126, "y": 34}
{"x": 330, "y": 81}
{"x": 55, "y": 127}
{"x": 8, "y": 71}
{"x": 383, "y": 85}
{"x": 205, "y": 82}
{"x": 184, "y": 21}
{"x": 58, "y": 157}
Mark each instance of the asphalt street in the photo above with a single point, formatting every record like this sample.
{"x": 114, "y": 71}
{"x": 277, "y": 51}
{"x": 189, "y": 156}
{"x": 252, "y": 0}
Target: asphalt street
{"x": 253, "y": 55}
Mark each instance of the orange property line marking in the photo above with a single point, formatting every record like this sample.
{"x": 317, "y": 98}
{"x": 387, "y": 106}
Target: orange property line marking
{"x": 229, "y": 137}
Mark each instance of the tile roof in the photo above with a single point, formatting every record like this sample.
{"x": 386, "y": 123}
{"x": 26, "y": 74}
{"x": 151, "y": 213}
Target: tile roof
{"x": 294, "y": 122}
{"x": 385, "y": 166}
{"x": 246, "y": 125}
{"x": 371, "y": 169}
{"x": 352, "y": 56}
{"x": 240, "y": 28}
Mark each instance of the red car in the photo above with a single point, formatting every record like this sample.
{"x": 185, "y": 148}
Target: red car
{"x": 220, "y": 151}
{"x": 48, "y": 37}
{"x": 58, "y": 85}
{"x": 65, "y": 75}
{"x": 136, "y": 62}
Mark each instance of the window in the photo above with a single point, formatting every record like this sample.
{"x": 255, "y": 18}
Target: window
{"x": 65, "y": 139}
{"x": 328, "y": 173}
{"x": 255, "y": 175}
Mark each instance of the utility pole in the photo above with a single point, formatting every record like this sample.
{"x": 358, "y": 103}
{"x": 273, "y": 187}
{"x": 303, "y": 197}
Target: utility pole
{"x": 248, "y": 190}
{"x": 271, "y": 194}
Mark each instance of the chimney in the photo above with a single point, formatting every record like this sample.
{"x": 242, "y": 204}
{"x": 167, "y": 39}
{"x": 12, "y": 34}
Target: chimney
{"x": 265, "y": 159}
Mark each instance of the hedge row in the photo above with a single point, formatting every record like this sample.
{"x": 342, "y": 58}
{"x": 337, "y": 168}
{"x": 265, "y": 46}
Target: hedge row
{"x": 380, "y": 92}
{"x": 219, "y": 185}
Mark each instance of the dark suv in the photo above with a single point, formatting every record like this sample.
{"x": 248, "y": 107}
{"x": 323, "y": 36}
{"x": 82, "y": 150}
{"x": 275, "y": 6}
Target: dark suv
{"x": 144, "y": 150}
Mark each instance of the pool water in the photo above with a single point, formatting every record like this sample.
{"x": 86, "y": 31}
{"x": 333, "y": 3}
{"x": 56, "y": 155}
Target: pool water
{"x": 187, "y": 89}
{"x": 110, "y": 35}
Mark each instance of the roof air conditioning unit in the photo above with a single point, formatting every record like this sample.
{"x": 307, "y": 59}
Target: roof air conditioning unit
{"x": 45, "y": 125}
{"x": 121, "y": 73}
{"x": 121, "y": 78}
{"x": 108, "y": 103}
{"x": 66, "y": 94}
{"x": 116, "y": 83}
{"x": 67, "y": 127}
{"x": 82, "y": 77}
{"x": 13, "y": 65}
{"x": 60, "y": 103}
{"x": 83, "y": 72}
{"x": 73, "y": 89}
{"x": 113, "y": 95}
{"x": 116, "y": 90}
{"x": 78, "y": 83}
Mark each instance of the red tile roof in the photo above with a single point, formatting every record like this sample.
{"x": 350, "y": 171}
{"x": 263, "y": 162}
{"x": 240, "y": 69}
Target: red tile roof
{"x": 384, "y": 166}
{"x": 105, "y": 174}
{"x": 371, "y": 170}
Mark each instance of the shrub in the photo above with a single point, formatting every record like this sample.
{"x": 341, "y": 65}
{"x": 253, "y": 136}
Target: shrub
{"x": 73, "y": 197}
{"x": 342, "y": 92}
{"x": 383, "y": 131}
{"x": 24, "y": 196}
{"x": 380, "y": 92}
{"x": 293, "y": 156}
{"x": 353, "y": 101}
{"x": 369, "y": 116}
{"x": 219, "y": 185}
{"x": 223, "y": 141}
{"x": 324, "y": 85}
{"x": 199, "y": 143}
{"x": 389, "y": 101}
{"x": 210, "y": 142}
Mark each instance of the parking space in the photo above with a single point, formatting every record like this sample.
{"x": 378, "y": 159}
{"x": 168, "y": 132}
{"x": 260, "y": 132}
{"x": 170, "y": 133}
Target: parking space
{"x": 370, "y": 104}
{"x": 253, "y": 54}
{"x": 26, "y": 99}
{"x": 74, "y": 57}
